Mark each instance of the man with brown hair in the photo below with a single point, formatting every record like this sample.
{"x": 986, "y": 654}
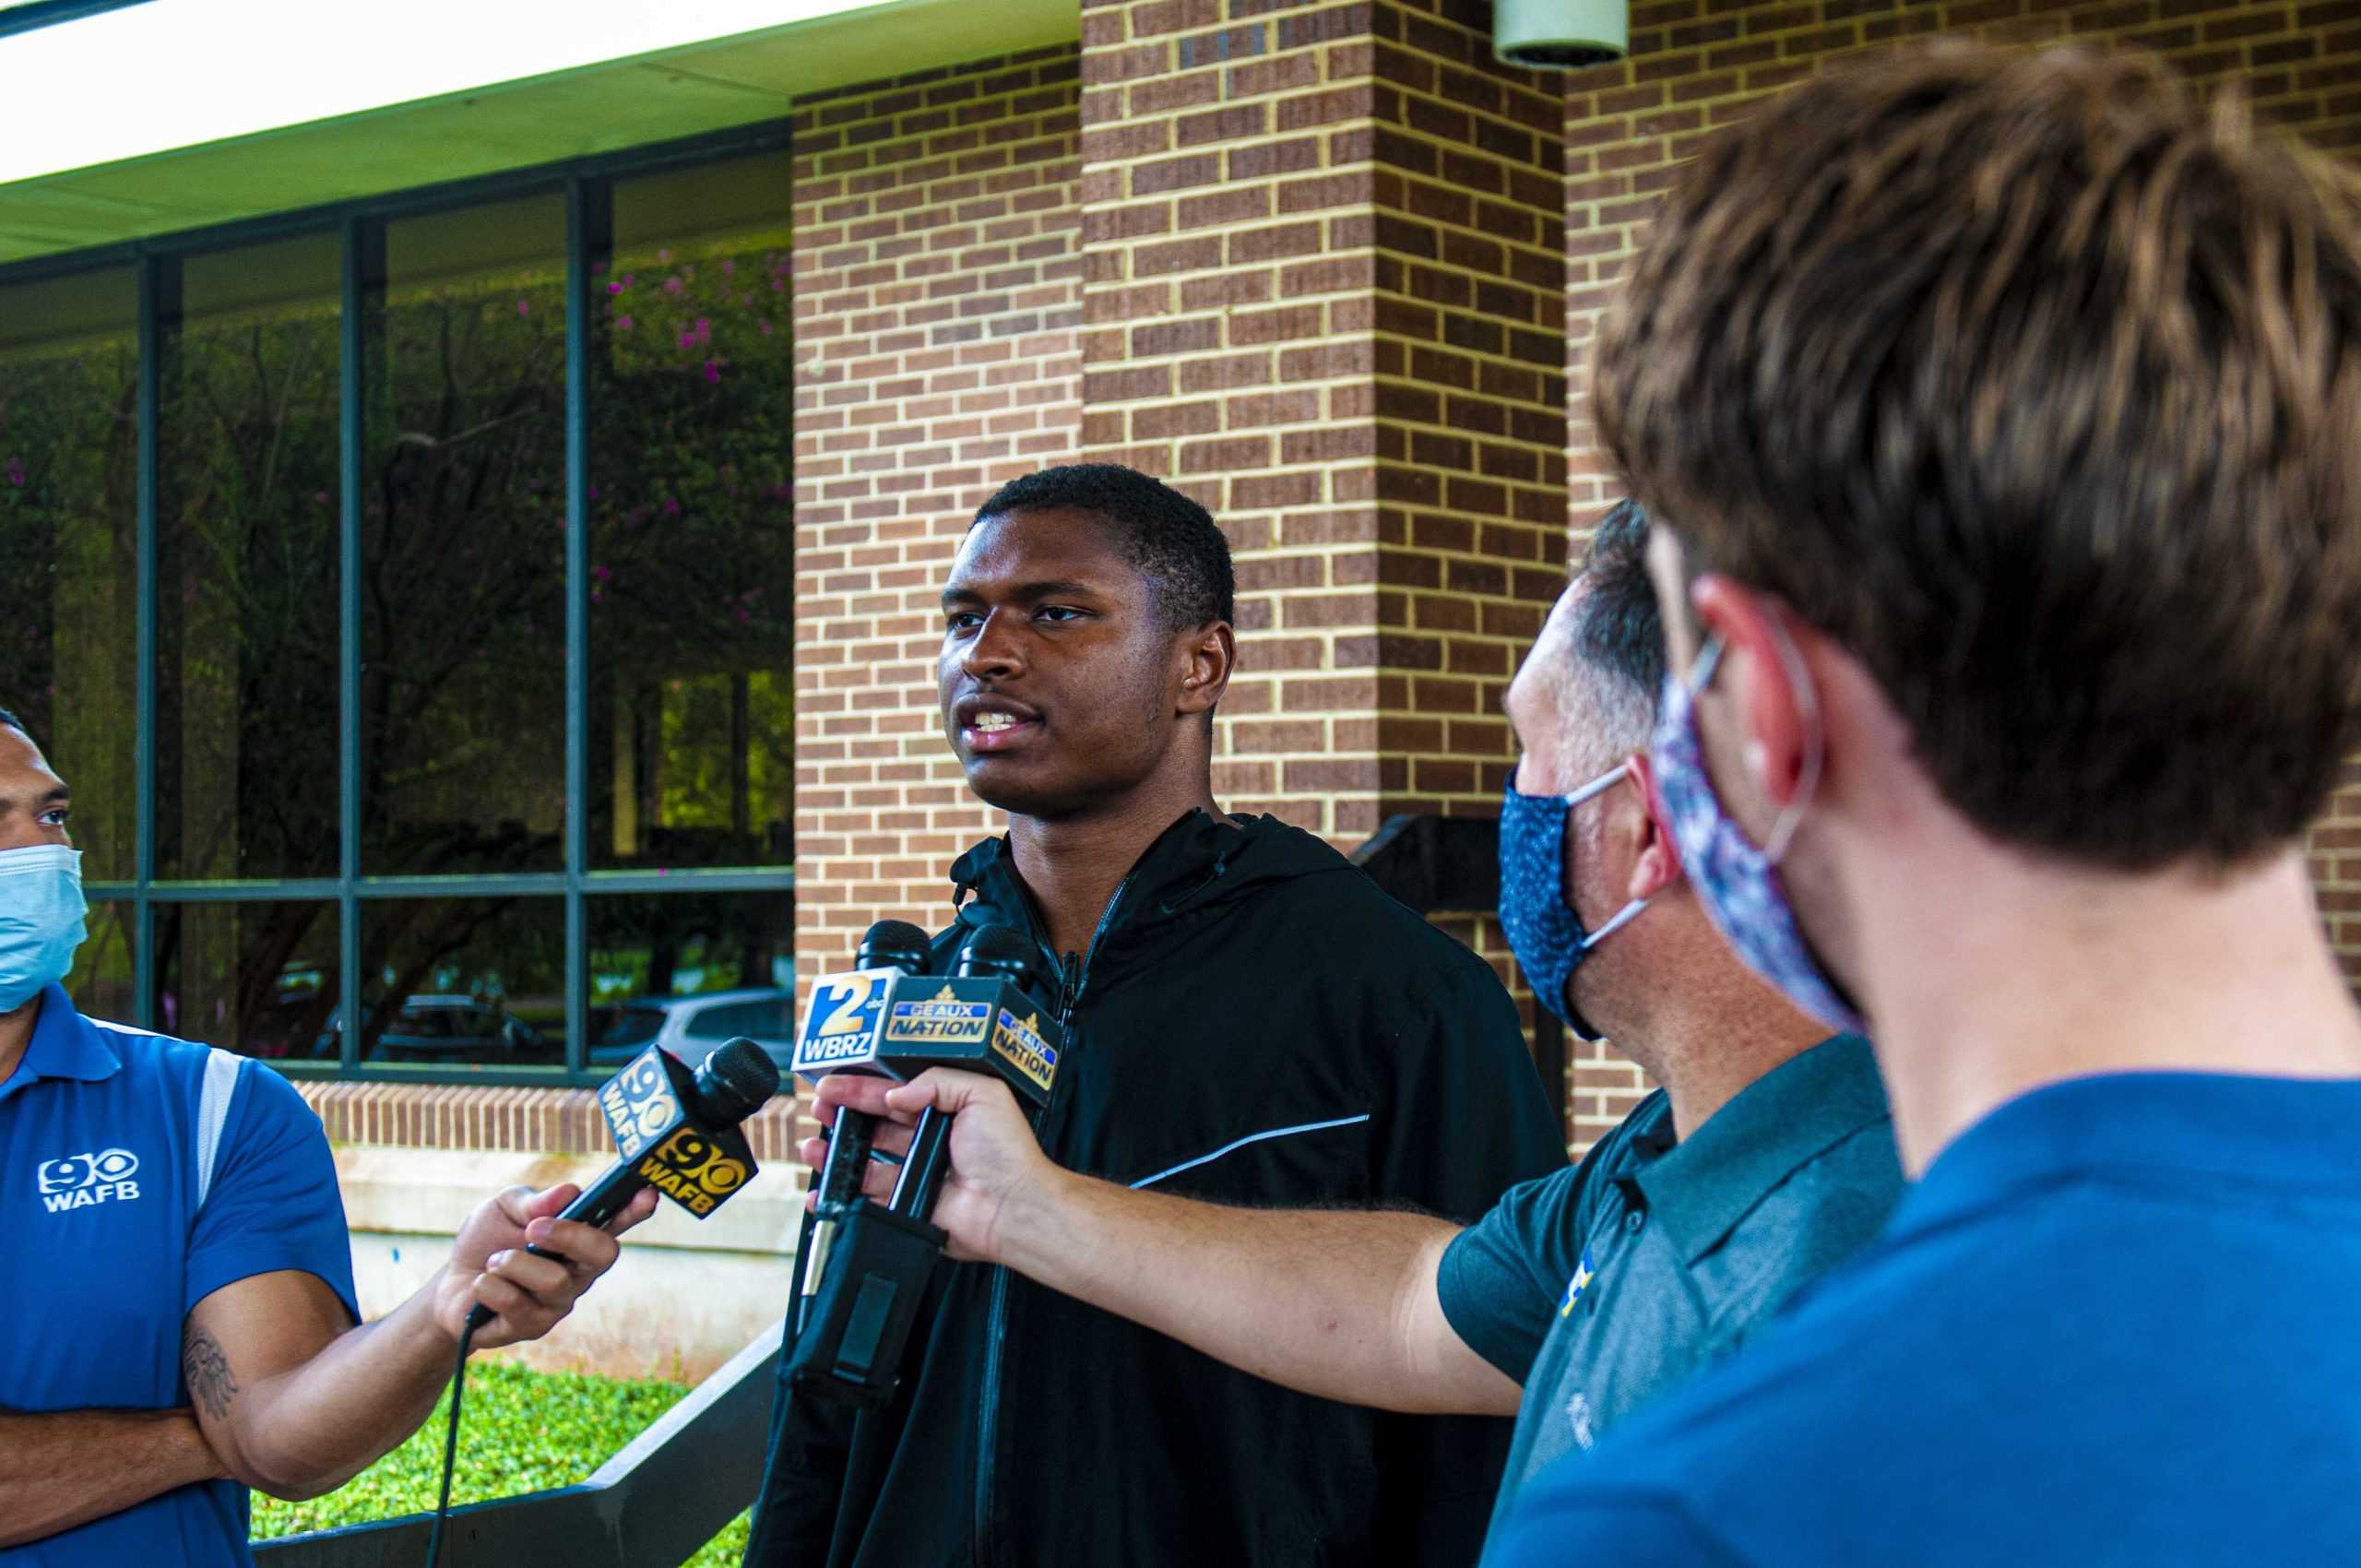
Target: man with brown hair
{"x": 2001, "y": 413}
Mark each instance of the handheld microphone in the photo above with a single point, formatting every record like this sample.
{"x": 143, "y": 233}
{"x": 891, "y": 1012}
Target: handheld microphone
{"x": 1016, "y": 1051}
{"x": 985, "y": 1017}
{"x": 676, "y": 1132}
{"x": 840, "y": 1034}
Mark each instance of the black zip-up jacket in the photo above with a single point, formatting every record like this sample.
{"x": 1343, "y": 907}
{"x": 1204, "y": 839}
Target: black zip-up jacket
{"x": 1254, "y": 1023}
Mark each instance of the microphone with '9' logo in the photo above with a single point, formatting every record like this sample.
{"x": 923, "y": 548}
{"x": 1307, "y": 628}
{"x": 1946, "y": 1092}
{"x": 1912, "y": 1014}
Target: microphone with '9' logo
{"x": 675, "y": 1131}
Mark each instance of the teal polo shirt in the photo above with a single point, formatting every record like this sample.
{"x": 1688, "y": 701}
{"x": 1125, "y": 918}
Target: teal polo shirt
{"x": 1601, "y": 1286}
{"x": 137, "y": 1176}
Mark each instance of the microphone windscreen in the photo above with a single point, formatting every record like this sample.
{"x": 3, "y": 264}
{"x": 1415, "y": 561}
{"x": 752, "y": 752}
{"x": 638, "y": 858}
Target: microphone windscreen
{"x": 736, "y": 1081}
{"x": 897, "y": 943}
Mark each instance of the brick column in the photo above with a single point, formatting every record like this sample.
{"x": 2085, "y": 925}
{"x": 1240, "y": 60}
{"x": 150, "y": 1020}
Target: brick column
{"x": 1699, "y": 64}
{"x": 936, "y": 295}
{"x": 1322, "y": 294}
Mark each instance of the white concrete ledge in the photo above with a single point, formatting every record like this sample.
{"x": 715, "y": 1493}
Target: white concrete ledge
{"x": 431, "y": 1192}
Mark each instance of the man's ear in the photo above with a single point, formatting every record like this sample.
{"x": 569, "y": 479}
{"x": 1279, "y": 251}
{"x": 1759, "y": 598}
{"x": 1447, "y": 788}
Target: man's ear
{"x": 1656, "y": 860}
{"x": 1763, "y": 673}
{"x": 1207, "y": 655}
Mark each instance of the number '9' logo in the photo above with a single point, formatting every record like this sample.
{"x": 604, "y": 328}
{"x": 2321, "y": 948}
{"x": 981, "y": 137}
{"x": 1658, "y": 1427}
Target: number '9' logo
{"x": 651, "y": 1097}
{"x": 78, "y": 1170}
{"x": 703, "y": 1162}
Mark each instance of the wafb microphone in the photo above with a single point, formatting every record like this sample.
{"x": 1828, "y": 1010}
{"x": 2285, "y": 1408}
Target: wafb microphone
{"x": 676, "y": 1131}
{"x": 984, "y": 1018}
{"x": 840, "y": 1035}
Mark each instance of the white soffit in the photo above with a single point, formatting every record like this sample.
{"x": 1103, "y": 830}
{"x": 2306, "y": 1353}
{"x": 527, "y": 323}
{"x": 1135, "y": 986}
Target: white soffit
{"x": 183, "y": 114}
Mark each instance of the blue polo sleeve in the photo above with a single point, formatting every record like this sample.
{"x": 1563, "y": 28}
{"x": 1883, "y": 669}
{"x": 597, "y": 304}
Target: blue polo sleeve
{"x": 1501, "y": 1278}
{"x": 273, "y": 1203}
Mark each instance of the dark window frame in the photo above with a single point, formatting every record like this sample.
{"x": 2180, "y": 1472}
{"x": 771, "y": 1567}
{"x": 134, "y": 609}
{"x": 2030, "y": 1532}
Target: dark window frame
{"x": 588, "y": 185}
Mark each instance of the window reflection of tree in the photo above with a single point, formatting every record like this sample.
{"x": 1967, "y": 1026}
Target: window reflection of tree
{"x": 691, "y": 539}
{"x": 246, "y": 626}
{"x": 69, "y": 540}
{"x": 462, "y": 702}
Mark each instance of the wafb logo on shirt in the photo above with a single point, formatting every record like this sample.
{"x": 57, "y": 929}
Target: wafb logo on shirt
{"x": 1577, "y": 1285}
{"x": 79, "y": 1181}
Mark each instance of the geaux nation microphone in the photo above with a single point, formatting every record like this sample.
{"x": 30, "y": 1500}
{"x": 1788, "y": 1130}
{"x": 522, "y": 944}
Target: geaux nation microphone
{"x": 987, "y": 1016}
{"x": 840, "y": 1035}
{"x": 675, "y": 1131}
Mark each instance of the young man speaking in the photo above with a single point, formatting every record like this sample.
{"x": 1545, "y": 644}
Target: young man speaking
{"x": 1247, "y": 1018}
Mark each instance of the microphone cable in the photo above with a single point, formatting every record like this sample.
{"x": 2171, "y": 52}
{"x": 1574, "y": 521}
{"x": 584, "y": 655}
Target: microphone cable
{"x": 450, "y": 1447}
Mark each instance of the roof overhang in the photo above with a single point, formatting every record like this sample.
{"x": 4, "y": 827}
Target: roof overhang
{"x": 185, "y": 113}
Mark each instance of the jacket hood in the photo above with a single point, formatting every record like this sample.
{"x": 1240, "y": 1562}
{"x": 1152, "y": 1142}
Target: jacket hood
{"x": 1194, "y": 865}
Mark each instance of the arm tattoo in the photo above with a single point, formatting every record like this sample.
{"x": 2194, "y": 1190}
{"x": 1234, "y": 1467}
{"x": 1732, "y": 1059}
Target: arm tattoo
{"x": 208, "y": 1371}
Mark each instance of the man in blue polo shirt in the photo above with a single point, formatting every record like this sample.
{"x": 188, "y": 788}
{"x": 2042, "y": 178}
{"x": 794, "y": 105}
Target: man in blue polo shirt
{"x": 176, "y": 1277}
{"x": 2007, "y": 403}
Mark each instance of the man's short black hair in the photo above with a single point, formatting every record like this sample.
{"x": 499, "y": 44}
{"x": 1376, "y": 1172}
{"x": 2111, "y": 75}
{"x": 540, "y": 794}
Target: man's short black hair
{"x": 11, "y": 722}
{"x": 1171, "y": 539}
{"x": 1621, "y": 631}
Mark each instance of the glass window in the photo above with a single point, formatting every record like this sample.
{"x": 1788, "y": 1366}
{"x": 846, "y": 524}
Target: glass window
{"x": 246, "y": 561}
{"x": 765, "y": 1019}
{"x": 629, "y": 1029}
{"x": 465, "y": 696}
{"x": 463, "y": 545}
{"x": 662, "y": 955}
{"x": 69, "y": 618}
{"x": 255, "y": 978}
{"x": 460, "y": 984}
{"x": 100, "y": 981}
{"x": 692, "y": 523}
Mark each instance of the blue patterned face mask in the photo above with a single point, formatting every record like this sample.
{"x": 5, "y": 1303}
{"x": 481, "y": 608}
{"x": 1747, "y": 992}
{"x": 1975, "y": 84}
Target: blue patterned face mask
{"x": 1543, "y": 930}
{"x": 40, "y": 919}
{"x": 1739, "y": 884}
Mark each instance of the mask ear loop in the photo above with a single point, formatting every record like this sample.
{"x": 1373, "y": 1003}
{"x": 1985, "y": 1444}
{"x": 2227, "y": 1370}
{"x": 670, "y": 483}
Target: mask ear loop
{"x": 1651, "y": 801}
{"x": 1626, "y": 772}
{"x": 1598, "y": 786}
{"x": 1791, "y": 816}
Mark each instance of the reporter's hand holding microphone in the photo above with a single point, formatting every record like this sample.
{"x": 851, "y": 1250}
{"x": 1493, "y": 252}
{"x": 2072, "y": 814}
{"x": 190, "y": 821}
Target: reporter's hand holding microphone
{"x": 994, "y": 1158}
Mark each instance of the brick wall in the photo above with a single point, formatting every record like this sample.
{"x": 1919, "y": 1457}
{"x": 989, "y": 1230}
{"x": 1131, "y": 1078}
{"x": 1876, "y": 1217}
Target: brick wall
{"x": 1323, "y": 295}
{"x": 937, "y": 285}
{"x": 1318, "y": 257}
{"x": 1696, "y": 64}
{"x": 526, "y": 1120}
{"x": 2337, "y": 868}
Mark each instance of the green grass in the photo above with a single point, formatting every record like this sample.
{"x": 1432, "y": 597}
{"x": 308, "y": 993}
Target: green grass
{"x": 521, "y": 1430}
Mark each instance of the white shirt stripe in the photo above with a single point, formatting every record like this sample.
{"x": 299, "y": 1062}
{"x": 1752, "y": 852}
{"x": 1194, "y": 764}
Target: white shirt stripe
{"x": 1241, "y": 1143}
{"x": 213, "y": 1115}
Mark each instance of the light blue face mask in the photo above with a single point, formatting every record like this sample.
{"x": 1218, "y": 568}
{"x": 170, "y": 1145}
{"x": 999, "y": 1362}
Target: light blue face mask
{"x": 40, "y": 919}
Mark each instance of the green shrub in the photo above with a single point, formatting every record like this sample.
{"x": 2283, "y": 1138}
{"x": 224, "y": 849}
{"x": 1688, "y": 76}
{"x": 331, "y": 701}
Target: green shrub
{"x": 521, "y": 1430}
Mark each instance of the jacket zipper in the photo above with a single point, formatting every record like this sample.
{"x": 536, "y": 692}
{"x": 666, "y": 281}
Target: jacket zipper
{"x": 996, "y": 1317}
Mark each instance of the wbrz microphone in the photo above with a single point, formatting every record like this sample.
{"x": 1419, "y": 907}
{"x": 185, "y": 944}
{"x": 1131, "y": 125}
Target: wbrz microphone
{"x": 985, "y": 1017}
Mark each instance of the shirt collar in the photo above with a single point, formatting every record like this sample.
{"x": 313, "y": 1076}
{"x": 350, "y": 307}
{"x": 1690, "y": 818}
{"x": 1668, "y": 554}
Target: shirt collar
{"x": 63, "y": 1046}
{"x": 2174, "y": 1125}
{"x": 1712, "y": 1179}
